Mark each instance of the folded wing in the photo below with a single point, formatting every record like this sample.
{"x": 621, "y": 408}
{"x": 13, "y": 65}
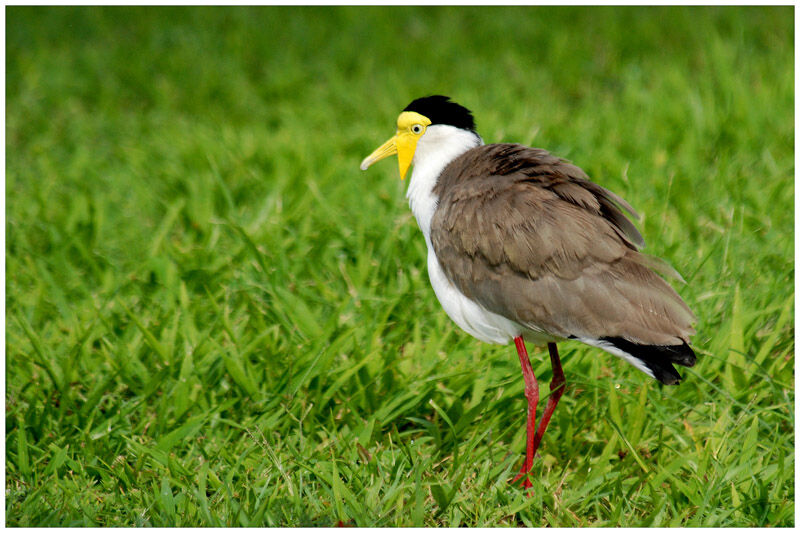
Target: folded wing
{"x": 528, "y": 236}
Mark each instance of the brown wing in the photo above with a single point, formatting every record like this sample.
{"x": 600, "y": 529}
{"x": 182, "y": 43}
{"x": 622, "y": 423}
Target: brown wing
{"x": 528, "y": 236}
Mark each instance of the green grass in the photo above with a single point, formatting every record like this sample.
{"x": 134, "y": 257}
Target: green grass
{"x": 214, "y": 318}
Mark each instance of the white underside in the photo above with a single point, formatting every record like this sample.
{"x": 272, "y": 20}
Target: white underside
{"x": 469, "y": 315}
{"x": 610, "y": 348}
{"x": 473, "y": 317}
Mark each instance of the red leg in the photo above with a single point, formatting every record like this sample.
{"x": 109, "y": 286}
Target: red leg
{"x": 556, "y": 390}
{"x": 532, "y": 394}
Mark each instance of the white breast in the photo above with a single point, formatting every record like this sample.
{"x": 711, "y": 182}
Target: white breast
{"x": 438, "y": 146}
{"x": 468, "y": 315}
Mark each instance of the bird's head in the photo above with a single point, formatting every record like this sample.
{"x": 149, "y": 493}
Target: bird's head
{"x": 420, "y": 116}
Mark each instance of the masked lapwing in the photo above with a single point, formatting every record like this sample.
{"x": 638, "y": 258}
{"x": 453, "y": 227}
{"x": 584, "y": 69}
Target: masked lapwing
{"x": 523, "y": 247}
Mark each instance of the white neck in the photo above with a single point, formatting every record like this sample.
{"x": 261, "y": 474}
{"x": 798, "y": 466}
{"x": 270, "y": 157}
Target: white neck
{"x": 437, "y": 147}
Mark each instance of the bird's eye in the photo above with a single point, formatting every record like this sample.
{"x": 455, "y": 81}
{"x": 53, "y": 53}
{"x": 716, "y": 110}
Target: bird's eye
{"x": 416, "y": 128}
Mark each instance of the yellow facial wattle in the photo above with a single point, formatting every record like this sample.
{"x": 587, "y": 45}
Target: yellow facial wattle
{"x": 410, "y": 127}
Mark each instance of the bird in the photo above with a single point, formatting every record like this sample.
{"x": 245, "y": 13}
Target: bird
{"x": 522, "y": 246}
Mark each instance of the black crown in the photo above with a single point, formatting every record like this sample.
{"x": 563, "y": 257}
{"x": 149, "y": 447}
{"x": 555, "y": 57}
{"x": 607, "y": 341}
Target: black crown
{"x": 441, "y": 110}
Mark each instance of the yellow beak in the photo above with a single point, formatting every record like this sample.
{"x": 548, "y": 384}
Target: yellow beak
{"x": 403, "y": 144}
{"x": 383, "y": 151}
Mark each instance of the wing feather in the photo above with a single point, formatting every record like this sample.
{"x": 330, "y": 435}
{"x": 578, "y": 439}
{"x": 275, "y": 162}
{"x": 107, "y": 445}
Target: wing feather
{"x": 528, "y": 236}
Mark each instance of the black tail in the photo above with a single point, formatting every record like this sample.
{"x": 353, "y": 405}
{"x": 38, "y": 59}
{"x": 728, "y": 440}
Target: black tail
{"x": 658, "y": 358}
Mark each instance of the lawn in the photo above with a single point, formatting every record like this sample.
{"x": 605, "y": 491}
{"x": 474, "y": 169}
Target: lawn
{"x": 214, "y": 318}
